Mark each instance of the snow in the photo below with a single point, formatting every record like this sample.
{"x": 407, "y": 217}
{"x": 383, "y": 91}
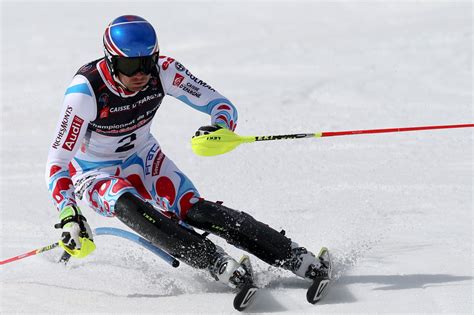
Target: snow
{"x": 394, "y": 209}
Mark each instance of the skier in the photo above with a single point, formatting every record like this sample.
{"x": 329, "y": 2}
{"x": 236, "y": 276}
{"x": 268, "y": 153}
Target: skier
{"x": 103, "y": 153}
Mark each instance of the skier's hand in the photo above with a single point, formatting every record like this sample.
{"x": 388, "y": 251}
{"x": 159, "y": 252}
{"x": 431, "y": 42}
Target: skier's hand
{"x": 205, "y": 130}
{"x": 76, "y": 237}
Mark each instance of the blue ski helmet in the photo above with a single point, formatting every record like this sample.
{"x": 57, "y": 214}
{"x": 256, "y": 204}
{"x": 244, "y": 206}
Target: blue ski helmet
{"x": 129, "y": 36}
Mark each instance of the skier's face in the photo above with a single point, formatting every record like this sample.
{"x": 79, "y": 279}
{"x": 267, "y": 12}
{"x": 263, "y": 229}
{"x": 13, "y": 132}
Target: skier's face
{"x": 134, "y": 72}
{"x": 136, "y": 82}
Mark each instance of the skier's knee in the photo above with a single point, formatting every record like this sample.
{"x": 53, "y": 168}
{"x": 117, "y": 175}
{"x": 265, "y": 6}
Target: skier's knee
{"x": 104, "y": 194}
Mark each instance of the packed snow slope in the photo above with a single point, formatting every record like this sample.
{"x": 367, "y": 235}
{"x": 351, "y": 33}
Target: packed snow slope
{"x": 394, "y": 209}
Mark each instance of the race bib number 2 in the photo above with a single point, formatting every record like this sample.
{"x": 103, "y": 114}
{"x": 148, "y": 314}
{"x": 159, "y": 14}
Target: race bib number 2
{"x": 127, "y": 143}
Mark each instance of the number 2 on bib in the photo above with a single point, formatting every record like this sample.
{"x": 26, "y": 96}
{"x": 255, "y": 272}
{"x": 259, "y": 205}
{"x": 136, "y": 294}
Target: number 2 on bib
{"x": 127, "y": 143}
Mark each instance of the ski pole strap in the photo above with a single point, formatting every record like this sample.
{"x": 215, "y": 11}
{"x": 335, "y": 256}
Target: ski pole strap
{"x": 76, "y": 218}
{"x": 71, "y": 214}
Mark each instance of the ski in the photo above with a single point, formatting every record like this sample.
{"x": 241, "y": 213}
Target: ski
{"x": 245, "y": 297}
{"x": 320, "y": 285}
{"x": 247, "y": 291}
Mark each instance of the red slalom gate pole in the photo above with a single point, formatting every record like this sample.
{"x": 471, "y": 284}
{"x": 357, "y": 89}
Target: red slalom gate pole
{"x": 33, "y": 252}
{"x": 386, "y": 130}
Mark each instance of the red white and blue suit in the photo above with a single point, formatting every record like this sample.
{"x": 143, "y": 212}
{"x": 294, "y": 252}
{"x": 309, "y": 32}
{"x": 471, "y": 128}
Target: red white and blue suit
{"x": 102, "y": 146}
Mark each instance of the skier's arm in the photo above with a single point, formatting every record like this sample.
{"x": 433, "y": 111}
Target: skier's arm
{"x": 180, "y": 83}
{"x": 78, "y": 110}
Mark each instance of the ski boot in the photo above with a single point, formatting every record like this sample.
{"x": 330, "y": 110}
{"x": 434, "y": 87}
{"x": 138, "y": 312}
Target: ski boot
{"x": 228, "y": 271}
{"x": 237, "y": 275}
{"x": 318, "y": 269}
{"x": 305, "y": 264}
{"x": 321, "y": 277}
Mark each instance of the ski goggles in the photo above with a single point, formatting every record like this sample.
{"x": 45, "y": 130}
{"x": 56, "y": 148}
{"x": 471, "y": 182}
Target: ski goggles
{"x": 130, "y": 66}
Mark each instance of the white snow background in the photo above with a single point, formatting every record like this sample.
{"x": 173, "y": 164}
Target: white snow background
{"x": 394, "y": 209}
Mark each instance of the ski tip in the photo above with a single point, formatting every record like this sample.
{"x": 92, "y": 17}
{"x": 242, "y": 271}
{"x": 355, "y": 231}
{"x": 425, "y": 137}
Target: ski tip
{"x": 323, "y": 250}
{"x": 320, "y": 285}
{"x": 245, "y": 297}
{"x": 317, "y": 290}
{"x": 244, "y": 258}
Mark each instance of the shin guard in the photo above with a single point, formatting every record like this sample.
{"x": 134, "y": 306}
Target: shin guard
{"x": 180, "y": 242}
{"x": 241, "y": 230}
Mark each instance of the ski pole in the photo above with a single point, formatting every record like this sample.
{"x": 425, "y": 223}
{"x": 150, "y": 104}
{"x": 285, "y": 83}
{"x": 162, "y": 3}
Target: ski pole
{"x": 104, "y": 231}
{"x": 223, "y": 140}
{"x": 33, "y": 252}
